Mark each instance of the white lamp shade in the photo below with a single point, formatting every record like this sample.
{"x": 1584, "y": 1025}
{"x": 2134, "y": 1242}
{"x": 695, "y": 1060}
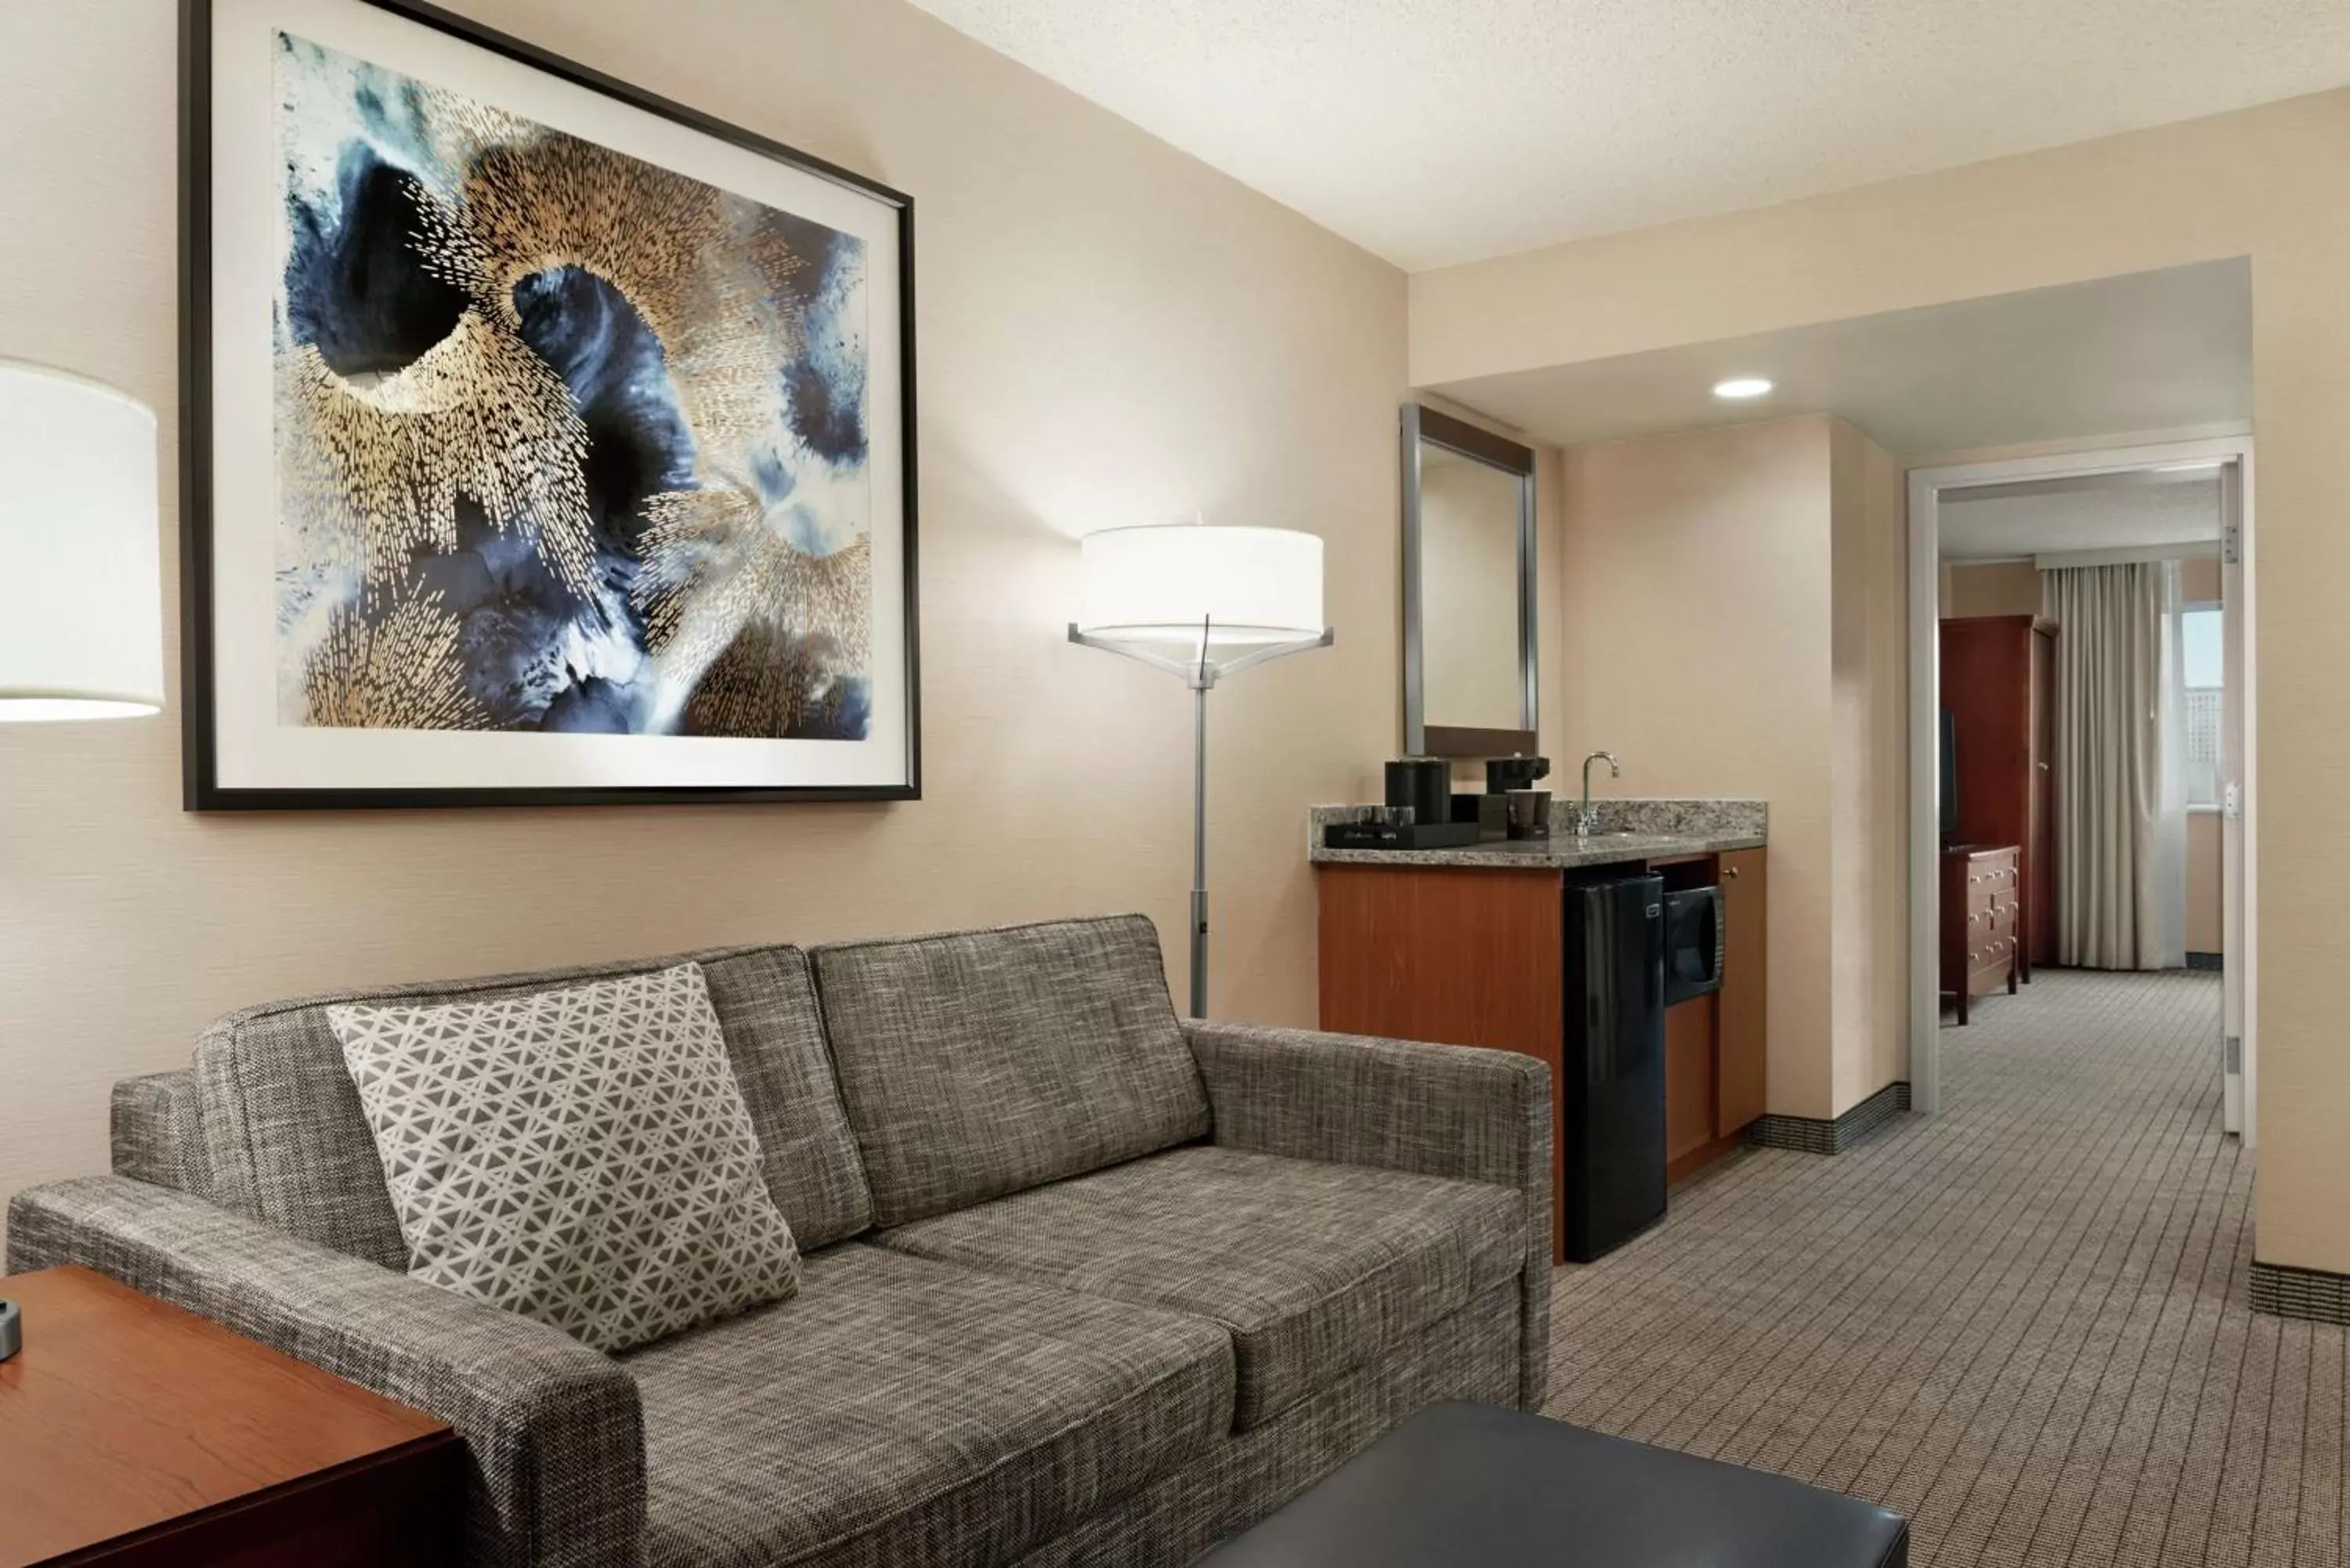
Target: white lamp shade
{"x": 1246, "y": 585}
{"x": 81, "y": 628}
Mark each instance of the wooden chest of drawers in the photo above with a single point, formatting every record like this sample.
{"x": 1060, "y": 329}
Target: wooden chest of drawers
{"x": 1981, "y": 922}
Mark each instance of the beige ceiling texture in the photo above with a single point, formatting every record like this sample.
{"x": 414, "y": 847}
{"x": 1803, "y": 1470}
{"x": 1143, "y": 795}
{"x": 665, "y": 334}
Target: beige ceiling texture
{"x": 1435, "y": 131}
{"x": 1439, "y": 132}
{"x": 2166, "y": 350}
{"x": 2109, "y": 511}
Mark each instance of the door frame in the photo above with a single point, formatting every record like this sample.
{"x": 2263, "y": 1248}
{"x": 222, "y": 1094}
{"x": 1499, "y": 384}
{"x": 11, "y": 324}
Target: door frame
{"x": 1926, "y": 486}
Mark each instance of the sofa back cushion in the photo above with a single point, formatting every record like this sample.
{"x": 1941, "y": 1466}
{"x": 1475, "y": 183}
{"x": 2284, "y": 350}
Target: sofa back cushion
{"x": 158, "y": 1132}
{"x": 982, "y": 1063}
{"x": 287, "y": 1142}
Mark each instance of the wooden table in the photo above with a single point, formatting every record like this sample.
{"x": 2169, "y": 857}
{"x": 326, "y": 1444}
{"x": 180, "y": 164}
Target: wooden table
{"x": 134, "y": 1433}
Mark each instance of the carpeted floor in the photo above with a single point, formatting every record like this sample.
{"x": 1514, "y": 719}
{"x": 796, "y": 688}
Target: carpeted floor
{"x": 2022, "y": 1324}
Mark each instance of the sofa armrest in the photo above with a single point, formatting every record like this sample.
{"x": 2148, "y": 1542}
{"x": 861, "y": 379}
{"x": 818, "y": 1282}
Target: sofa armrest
{"x": 552, "y": 1429}
{"x": 1435, "y": 1110}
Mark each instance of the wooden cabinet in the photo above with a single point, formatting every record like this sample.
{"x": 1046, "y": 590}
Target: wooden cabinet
{"x": 1459, "y": 957}
{"x": 1743, "y": 1078}
{"x": 1691, "y": 1082}
{"x": 1982, "y": 909}
{"x": 1471, "y": 956}
{"x": 1998, "y": 681}
{"x": 1434, "y": 952}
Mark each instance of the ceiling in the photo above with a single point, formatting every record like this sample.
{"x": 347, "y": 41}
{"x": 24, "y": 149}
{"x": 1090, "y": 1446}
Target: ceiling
{"x": 2168, "y": 351}
{"x": 1435, "y": 131}
{"x": 2107, "y": 511}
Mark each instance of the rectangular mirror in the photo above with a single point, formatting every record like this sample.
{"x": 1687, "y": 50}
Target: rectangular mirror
{"x": 1469, "y": 686}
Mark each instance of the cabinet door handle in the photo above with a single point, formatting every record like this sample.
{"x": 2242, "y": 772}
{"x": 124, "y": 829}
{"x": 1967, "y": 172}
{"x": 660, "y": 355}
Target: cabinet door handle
{"x": 1731, "y": 872}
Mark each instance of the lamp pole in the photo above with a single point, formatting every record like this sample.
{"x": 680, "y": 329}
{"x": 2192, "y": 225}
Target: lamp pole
{"x": 1204, "y": 680}
{"x": 1201, "y": 673}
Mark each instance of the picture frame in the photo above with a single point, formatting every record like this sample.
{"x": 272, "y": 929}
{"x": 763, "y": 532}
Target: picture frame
{"x": 562, "y": 514}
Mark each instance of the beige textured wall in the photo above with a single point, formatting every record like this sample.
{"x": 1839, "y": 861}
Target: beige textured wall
{"x": 1882, "y": 1054}
{"x": 2198, "y": 580}
{"x": 1109, "y": 333}
{"x": 1994, "y": 588}
{"x": 2270, "y": 184}
{"x": 1738, "y": 562}
{"x": 2012, "y": 587}
{"x": 1867, "y": 956}
{"x": 2207, "y": 923}
{"x": 1849, "y": 960}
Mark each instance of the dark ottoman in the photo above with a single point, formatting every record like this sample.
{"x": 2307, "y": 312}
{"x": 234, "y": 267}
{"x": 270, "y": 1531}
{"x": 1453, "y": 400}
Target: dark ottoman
{"x": 1475, "y": 1485}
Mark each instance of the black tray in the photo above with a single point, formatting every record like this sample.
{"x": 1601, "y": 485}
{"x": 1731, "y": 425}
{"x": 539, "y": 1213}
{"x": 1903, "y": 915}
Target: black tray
{"x": 1388, "y": 835}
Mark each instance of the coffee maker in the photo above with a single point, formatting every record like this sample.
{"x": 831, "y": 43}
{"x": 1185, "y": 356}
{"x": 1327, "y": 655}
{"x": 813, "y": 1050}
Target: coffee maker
{"x": 1516, "y": 771}
{"x": 1511, "y": 806}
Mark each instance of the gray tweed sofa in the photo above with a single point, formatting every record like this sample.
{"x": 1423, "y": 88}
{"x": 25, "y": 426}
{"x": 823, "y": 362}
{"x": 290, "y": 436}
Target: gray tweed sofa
{"x": 1083, "y": 1282}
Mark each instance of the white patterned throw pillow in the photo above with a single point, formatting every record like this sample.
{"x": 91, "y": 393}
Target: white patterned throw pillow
{"x": 582, "y": 1156}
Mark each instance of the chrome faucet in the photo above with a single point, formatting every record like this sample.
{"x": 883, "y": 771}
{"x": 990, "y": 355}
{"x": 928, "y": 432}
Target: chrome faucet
{"x": 1587, "y": 821}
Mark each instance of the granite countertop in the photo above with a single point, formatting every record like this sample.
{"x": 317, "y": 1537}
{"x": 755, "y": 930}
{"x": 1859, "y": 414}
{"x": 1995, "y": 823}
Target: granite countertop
{"x": 1629, "y": 830}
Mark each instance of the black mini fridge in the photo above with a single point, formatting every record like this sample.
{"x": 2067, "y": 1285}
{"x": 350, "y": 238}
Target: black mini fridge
{"x": 1612, "y": 1063}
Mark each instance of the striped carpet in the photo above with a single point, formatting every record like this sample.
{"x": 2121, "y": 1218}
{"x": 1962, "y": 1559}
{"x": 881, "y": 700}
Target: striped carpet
{"x": 2022, "y": 1324}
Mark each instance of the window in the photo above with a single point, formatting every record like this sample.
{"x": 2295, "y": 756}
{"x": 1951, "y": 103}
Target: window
{"x": 2203, "y": 662}
{"x": 2199, "y": 635}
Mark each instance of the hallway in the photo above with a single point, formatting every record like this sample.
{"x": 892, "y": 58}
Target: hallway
{"x": 2022, "y": 1324}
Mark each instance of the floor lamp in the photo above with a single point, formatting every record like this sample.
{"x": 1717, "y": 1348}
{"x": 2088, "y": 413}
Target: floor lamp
{"x": 81, "y": 625}
{"x": 81, "y": 621}
{"x": 1229, "y": 598}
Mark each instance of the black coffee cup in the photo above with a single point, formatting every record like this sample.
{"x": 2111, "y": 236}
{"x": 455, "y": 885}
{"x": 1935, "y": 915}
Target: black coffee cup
{"x": 1527, "y": 813}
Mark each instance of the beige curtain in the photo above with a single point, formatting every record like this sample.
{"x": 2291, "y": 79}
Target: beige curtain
{"x": 2115, "y": 867}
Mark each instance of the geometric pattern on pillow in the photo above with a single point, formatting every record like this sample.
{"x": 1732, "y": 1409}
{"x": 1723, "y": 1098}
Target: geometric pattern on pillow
{"x": 582, "y": 1156}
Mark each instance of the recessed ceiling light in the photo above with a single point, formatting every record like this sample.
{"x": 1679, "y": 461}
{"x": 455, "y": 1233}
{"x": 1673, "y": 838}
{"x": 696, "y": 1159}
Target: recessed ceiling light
{"x": 1742, "y": 386}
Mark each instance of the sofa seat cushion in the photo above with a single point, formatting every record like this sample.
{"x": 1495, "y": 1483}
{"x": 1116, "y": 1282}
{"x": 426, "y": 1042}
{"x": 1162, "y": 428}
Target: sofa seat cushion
{"x": 899, "y": 1410}
{"x": 1316, "y": 1269}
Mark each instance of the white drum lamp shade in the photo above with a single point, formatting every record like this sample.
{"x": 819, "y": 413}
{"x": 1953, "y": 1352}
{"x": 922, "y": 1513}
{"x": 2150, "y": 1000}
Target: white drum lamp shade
{"x": 1162, "y": 583}
{"x": 81, "y": 628}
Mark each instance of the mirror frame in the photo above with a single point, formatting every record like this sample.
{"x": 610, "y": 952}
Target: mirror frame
{"x": 1420, "y": 738}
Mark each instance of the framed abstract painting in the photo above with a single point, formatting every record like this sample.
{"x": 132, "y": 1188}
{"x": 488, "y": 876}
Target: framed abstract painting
{"x": 546, "y": 442}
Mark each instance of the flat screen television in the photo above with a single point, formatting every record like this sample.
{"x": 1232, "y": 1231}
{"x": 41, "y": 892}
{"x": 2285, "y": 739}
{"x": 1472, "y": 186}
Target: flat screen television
{"x": 1950, "y": 753}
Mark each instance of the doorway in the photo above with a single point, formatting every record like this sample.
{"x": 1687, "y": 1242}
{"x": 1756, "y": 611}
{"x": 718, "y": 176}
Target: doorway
{"x": 2229, "y": 460}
